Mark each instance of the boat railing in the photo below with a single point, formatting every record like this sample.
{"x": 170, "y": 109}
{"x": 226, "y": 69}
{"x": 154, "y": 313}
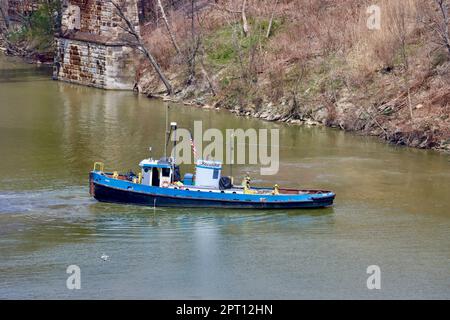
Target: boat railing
{"x": 100, "y": 166}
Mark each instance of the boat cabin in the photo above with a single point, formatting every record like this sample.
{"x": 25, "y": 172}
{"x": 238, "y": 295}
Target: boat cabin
{"x": 162, "y": 173}
{"x": 156, "y": 173}
{"x": 208, "y": 173}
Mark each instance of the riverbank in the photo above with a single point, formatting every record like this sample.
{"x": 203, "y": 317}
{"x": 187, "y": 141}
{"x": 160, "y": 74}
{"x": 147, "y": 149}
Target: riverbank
{"x": 389, "y": 121}
{"x": 430, "y": 131}
{"x": 303, "y": 71}
{"x": 32, "y": 57}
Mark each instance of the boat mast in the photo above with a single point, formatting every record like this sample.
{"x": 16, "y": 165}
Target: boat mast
{"x": 167, "y": 132}
{"x": 173, "y": 128}
{"x": 231, "y": 156}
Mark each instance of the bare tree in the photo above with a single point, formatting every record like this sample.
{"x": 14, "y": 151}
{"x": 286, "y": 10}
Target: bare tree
{"x": 196, "y": 44}
{"x": 201, "y": 50}
{"x": 441, "y": 26}
{"x": 245, "y": 27}
{"x": 206, "y": 75}
{"x": 4, "y": 25}
{"x": 401, "y": 31}
{"x": 195, "y": 41}
{"x": 269, "y": 28}
{"x": 4, "y": 16}
{"x": 169, "y": 30}
{"x": 137, "y": 42}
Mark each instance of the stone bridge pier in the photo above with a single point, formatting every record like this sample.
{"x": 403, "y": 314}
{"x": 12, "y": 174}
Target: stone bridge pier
{"x": 91, "y": 46}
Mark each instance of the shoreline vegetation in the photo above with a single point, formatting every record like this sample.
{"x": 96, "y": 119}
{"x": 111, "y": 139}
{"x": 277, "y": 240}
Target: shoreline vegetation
{"x": 300, "y": 62}
{"x": 28, "y": 30}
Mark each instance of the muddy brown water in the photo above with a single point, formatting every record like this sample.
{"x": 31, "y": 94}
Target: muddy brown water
{"x": 392, "y": 208}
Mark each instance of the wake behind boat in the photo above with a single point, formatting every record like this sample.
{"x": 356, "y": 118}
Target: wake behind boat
{"x": 159, "y": 184}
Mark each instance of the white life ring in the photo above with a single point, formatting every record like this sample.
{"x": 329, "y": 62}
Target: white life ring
{"x": 165, "y": 184}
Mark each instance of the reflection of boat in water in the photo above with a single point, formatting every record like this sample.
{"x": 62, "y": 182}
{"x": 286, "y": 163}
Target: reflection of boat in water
{"x": 159, "y": 184}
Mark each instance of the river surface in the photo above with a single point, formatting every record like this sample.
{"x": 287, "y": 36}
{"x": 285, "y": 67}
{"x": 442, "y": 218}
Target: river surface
{"x": 392, "y": 208}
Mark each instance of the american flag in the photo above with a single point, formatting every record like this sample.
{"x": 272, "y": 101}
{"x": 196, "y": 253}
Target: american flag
{"x": 194, "y": 151}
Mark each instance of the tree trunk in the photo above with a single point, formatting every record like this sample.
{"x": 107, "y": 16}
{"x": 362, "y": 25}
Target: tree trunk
{"x": 195, "y": 45}
{"x": 269, "y": 28}
{"x": 205, "y": 73}
{"x": 446, "y": 28}
{"x": 157, "y": 68}
{"x": 139, "y": 44}
{"x": 245, "y": 27}
{"x": 166, "y": 22}
{"x": 402, "y": 34}
{"x": 4, "y": 16}
{"x": 442, "y": 28}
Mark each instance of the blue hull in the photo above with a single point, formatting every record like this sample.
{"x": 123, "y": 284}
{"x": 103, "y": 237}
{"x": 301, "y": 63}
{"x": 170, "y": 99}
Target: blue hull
{"x": 114, "y": 192}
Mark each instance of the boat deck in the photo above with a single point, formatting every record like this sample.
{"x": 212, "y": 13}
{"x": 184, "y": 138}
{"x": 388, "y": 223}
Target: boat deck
{"x": 233, "y": 190}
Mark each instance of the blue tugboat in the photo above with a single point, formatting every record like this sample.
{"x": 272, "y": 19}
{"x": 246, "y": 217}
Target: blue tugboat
{"x": 159, "y": 184}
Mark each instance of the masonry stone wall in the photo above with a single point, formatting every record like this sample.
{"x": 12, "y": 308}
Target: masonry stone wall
{"x": 95, "y": 64}
{"x": 98, "y": 17}
{"x": 81, "y": 62}
{"x": 92, "y": 49}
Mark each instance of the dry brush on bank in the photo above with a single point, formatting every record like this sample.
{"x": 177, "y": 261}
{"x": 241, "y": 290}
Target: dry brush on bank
{"x": 307, "y": 61}
{"x": 316, "y": 61}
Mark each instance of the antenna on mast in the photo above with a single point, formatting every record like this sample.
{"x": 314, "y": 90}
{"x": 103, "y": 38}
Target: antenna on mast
{"x": 173, "y": 128}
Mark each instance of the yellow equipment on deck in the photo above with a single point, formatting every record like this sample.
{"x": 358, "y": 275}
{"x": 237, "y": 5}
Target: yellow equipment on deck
{"x": 246, "y": 185}
{"x": 249, "y": 191}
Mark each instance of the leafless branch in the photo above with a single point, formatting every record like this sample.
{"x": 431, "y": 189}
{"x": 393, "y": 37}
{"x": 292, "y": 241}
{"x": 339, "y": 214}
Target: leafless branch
{"x": 4, "y": 17}
{"x": 443, "y": 25}
{"x": 139, "y": 44}
{"x": 169, "y": 30}
{"x": 222, "y": 8}
{"x": 269, "y": 28}
{"x": 245, "y": 27}
{"x": 437, "y": 21}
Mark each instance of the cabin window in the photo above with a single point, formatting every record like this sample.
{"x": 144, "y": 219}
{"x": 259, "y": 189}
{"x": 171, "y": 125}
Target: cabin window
{"x": 216, "y": 174}
{"x": 165, "y": 172}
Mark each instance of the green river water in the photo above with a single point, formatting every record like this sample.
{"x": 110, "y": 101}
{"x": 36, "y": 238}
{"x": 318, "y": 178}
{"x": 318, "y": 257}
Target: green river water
{"x": 392, "y": 208}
